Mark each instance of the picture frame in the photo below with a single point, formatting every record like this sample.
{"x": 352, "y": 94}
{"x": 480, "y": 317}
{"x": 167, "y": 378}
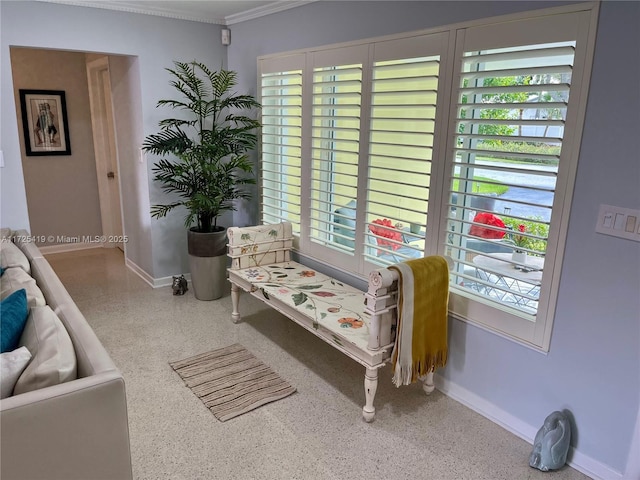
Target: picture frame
{"x": 45, "y": 123}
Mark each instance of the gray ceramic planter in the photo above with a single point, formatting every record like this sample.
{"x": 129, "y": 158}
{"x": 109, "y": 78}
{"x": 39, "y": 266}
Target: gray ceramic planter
{"x": 208, "y": 263}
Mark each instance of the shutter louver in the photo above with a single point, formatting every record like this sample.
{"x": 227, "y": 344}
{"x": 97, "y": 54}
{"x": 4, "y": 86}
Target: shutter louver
{"x": 335, "y": 133}
{"x": 511, "y": 111}
{"x": 281, "y": 147}
{"x": 402, "y": 122}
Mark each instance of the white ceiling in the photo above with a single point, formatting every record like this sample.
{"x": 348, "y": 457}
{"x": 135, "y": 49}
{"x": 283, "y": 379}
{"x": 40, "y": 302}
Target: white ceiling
{"x": 222, "y": 12}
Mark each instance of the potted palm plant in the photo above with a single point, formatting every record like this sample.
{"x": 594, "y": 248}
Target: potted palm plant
{"x": 204, "y": 164}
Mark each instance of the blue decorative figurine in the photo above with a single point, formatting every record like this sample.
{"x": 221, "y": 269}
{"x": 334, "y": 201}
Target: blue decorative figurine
{"x": 551, "y": 443}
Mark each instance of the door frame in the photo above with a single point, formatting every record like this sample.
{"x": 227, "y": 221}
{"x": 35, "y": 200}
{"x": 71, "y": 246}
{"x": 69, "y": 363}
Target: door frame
{"x": 104, "y": 141}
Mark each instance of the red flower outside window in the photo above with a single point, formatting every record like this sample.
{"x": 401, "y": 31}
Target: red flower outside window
{"x": 520, "y": 240}
{"x": 491, "y": 220}
{"x": 385, "y": 230}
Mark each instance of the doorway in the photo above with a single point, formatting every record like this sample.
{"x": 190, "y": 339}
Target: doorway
{"x": 104, "y": 140}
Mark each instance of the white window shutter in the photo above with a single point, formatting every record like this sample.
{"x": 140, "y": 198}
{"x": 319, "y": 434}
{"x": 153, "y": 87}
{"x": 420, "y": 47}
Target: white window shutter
{"x": 281, "y": 98}
{"x": 384, "y": 150}
{"x": 335, "y": 135}
{"x": 402, "y": 121}
{"x": 510, "y": 118}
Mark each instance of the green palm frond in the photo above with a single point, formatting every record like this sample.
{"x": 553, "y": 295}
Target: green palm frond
{"x": 209, "y": 168}
{"x": 222, "y": 81}
{"x": 240, "y": 102}
{"x": 159, "y": 211}
{"x": 167, "y": 141}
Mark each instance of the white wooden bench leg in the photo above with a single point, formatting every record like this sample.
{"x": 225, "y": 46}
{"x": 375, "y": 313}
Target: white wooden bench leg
{"x": 427, "y": 383}
{"x": 235, "y": 300}
{"x": 370, "y": 387}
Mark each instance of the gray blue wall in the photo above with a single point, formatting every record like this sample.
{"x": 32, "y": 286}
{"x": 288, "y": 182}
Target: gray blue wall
{"x": 593, "y": 366}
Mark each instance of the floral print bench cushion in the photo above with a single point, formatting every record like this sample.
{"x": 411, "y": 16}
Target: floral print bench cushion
{"x": 327, "y": 302}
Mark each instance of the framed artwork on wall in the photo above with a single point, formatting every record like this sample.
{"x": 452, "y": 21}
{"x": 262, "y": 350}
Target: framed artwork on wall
{"x": 45, "y": 123}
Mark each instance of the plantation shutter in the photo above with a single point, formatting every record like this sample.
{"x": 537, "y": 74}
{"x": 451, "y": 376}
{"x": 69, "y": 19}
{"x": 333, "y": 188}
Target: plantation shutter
{"x": 461, "y": 142}
{"x": 512, "y": 113}
{"x": 281, "y": 98}
{"x": 405, "y": 81}
{"x": 335, "y": 151}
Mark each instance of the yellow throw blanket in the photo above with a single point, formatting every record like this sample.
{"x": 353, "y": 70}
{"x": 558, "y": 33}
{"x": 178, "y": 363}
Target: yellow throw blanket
{"x": 421, "y": 338}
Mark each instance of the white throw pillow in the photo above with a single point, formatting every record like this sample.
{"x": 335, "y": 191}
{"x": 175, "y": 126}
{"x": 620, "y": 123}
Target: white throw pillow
{"x": 54, "y": 359}
{"x": 11, "y": 366}
{"x": 12, "y": 256}
{"x": 14, "y": 279}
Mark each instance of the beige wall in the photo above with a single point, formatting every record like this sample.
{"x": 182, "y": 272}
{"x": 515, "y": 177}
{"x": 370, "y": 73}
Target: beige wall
{"x": 62, "y": 190}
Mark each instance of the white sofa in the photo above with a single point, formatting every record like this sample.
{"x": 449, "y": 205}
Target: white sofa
{"x": 72, "y": 430}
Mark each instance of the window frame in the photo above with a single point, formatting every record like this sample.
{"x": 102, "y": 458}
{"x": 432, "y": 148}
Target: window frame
{"x": 536, "y": 334}
{"x": 468, "y": 308}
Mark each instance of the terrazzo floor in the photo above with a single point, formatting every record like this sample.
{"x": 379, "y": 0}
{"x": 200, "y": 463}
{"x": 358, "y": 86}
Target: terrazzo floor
{"x": 316, "y": 433}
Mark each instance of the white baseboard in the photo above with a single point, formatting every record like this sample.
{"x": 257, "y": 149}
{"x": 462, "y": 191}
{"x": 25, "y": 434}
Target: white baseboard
{"x": 68, "y": 247}
{"x": 166, "y": 281}
{"x": 153, "y": 282}
{"x": 579, "y": 461}
{"x": 140, "y": 272}
{"x": 593, "y": 468}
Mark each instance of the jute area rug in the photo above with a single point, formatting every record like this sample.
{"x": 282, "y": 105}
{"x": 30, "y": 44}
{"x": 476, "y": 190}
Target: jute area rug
{"x": 231, "y": 381}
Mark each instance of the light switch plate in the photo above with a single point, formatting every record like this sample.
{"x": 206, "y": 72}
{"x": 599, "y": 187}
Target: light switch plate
{"x": 619, "y": 222}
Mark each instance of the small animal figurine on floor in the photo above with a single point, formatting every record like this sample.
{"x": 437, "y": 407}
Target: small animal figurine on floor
{"x": 551, "y": 443}
{"x": 179, "y": 285}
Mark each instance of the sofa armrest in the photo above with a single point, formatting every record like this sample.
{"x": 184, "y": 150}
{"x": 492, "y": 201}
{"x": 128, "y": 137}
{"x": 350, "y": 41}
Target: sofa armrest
{"x": 22, "y": 239}
{"x": 75, "y": 430}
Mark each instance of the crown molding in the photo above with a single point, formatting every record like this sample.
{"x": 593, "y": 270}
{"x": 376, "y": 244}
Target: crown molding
{"x": 274, "y": 7}
{"x": 135, "y": 7}
{"x": 156, "y": 8}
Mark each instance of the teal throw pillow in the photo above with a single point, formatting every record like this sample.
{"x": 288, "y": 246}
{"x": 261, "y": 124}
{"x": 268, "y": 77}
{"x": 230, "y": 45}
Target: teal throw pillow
{"x": 13, "y": 317}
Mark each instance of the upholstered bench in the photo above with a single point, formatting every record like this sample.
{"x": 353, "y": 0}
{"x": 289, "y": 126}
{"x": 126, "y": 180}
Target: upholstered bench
{"x": 359, "y": 324}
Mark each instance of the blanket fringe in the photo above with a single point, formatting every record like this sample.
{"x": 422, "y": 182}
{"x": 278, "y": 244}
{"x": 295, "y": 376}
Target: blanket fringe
{"x": 410, "y": 373}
